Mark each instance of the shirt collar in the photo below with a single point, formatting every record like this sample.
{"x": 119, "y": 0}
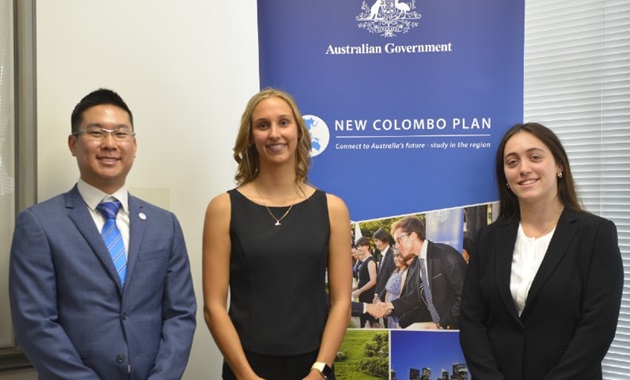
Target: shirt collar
{"x": 93, "y": 196}
{"x": 423, "y": 250}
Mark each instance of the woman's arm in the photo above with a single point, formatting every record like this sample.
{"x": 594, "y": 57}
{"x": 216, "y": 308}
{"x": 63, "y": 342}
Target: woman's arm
{"x": 339, "y": 283}
{"x": 216, "y": 279}
{"x": 599, "y": 307}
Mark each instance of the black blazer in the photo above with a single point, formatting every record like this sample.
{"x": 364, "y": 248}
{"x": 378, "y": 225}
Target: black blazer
{"x": 571, "y": 312}
{"x": 446, "y": 269}
{"x": 385, "y": 270}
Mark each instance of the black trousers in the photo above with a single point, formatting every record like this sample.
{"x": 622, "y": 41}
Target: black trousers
{"x": 271, "y": 367}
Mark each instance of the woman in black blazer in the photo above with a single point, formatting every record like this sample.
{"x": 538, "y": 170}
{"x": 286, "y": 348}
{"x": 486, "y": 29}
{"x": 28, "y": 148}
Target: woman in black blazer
{"x": 543, "y": 290}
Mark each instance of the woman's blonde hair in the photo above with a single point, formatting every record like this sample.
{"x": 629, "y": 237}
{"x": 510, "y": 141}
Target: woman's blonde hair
{"x": 245, "y": 153}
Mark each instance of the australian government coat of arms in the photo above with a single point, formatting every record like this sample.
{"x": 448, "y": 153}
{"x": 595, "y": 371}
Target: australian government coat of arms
{"x": 388, "y": 17}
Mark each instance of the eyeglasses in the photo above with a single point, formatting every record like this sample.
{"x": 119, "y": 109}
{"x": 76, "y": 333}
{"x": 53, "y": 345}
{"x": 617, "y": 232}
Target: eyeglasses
{"x": 401, "y": 236}
{"x": 121, "y": 134}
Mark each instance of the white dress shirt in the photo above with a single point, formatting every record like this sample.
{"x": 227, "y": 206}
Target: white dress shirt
{"x": 529, "y": 253}
{"x": 423, "y": 256}
{"x": 93, "y": 196}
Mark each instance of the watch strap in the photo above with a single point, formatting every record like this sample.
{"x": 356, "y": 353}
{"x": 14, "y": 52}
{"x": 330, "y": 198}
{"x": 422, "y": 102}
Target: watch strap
{"x": 323, "y": 369}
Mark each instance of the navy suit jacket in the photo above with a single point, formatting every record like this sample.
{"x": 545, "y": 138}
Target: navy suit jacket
{"x": 73, "y": 320}
{"x": 571, "y": 311}
{"x": 385, "y": 270}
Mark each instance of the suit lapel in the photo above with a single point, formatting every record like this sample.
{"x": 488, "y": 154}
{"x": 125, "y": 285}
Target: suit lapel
{"x": 386, "y": 261}
{"x": 432, "y": 265}
{"x": 79, "y": 215}
{"x": 413, "y": 276}
{"x": 385, "y": 257}
{"x": 562, "y": 237}
{"x": 504, "y": 250}
{"x": 137, "y": 226}
{"x": 430, "y": 262}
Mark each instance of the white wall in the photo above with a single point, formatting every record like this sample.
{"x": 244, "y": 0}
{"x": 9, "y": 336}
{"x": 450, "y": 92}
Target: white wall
{"x": 186, "y": 70}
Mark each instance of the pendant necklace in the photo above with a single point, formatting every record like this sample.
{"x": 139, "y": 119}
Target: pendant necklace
{"x": 269, "y": 211}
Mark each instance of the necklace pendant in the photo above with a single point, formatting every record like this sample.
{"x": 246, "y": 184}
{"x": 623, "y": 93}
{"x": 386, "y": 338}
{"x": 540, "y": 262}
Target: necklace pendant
{"x": 277, "y": 223}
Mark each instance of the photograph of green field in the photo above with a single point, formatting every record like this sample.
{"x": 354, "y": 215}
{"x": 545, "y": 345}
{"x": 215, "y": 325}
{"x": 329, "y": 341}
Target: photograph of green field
{"x": 363, "y": 355}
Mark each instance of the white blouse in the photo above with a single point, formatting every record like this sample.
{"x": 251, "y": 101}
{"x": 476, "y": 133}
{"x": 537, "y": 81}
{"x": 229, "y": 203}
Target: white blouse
{"x": 528, "y": 255}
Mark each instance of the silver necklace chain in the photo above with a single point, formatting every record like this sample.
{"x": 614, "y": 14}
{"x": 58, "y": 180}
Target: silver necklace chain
{"x": 269, "y": 211}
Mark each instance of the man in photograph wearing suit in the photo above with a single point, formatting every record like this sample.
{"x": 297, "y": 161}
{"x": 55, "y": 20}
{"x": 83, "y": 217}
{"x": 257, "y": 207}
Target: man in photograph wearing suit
{"x": 99, "y": 282}
{"x": 445, "y": 268}
{"x": 386, "y": 265}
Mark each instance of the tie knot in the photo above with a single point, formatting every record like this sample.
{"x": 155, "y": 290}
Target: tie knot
{"x": 109, "y": 209}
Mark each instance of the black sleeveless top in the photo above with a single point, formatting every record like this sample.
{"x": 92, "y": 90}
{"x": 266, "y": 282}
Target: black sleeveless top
{"x": 278, "y": 300}
{"x": 364, "y": 278}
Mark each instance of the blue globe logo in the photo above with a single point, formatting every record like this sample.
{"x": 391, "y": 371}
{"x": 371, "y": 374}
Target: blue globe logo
{"x": 320, "y": 136}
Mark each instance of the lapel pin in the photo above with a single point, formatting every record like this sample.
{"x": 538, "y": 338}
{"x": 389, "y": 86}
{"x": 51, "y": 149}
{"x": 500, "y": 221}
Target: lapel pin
{"x": 142, "y": 216}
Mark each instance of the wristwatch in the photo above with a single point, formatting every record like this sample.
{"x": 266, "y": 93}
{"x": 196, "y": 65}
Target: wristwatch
{"x": 323, "y": 369}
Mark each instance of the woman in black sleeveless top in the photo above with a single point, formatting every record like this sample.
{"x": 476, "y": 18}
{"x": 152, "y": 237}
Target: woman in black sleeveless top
{"x": 367, "y": 275}
{"x": 271, "y": 243}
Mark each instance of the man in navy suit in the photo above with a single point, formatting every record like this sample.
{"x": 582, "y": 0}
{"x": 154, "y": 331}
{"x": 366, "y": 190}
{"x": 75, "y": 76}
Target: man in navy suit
{"x": 386, "y": 265}
{"x": 75, "y": 316}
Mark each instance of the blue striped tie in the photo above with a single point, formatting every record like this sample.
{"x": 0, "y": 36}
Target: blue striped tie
{"x": 113, "y": 238}
{"x": 426, "y": 290}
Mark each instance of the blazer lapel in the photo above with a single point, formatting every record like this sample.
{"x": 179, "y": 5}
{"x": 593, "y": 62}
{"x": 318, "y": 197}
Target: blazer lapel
{"x": 562, "y": 237}
{"x": 430, "y": 262}
{"x": 413, "y": 276}
{"x": 79, "y": 215}
{"x": 137, "y": 226}
{"x": 389, "y": 263}
{"x": 504, "y": 250}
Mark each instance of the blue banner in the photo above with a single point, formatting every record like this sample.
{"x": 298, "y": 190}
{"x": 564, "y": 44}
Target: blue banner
{"x": 411, "y": 94}
{"x": 406, "y": 103}
{"x": 446, "y": 226}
